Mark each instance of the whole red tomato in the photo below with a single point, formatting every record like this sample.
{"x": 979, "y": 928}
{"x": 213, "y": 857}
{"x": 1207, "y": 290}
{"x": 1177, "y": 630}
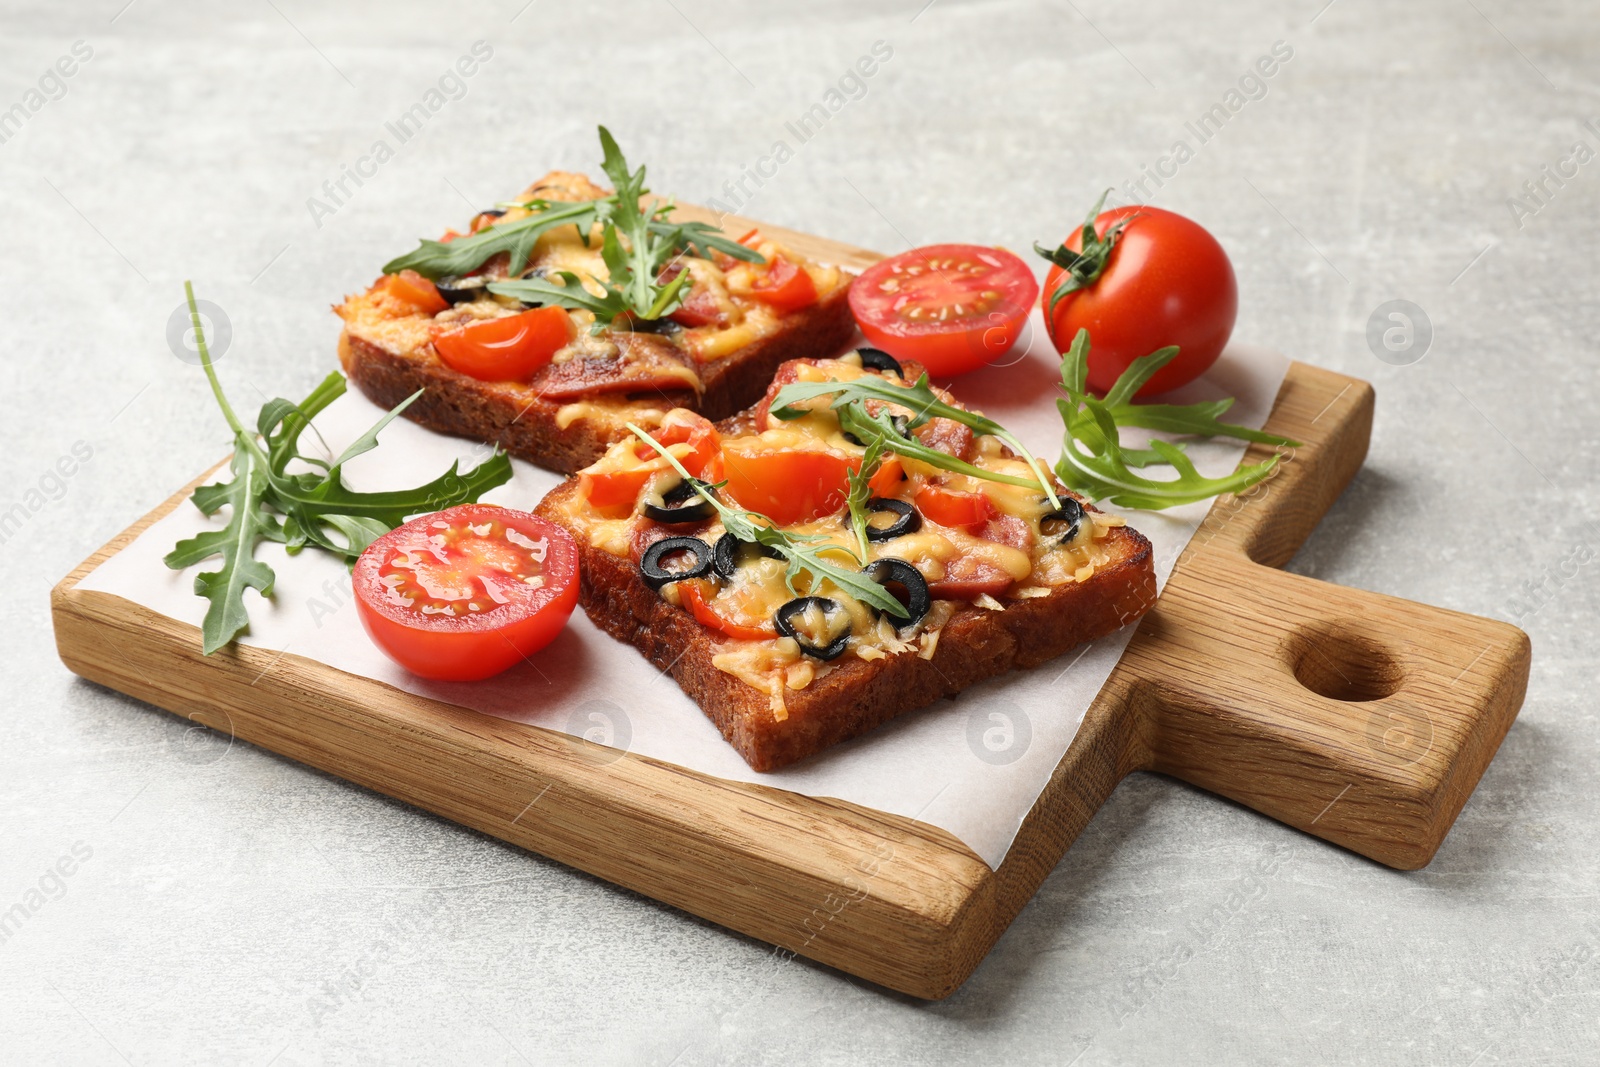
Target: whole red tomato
{"x": 1150, "y": 278}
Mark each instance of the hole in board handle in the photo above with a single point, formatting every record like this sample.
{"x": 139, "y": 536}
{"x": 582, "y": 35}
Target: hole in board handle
{"x": 1336, "y": 660}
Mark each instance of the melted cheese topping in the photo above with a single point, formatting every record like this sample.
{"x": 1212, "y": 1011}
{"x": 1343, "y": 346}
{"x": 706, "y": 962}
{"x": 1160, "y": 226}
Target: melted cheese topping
{"x": 399, "y": 328}
{"x": 1034, "y": 562}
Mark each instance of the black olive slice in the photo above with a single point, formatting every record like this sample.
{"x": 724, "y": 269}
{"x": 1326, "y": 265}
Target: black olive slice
{"x": 1061, "y": 525}
{"x": 663, "y": 327}
{"x": 726, "y": 552}
{"x": 656, "y": 575}
{"x": 907, "y": 519}
{"x": 890, "y": 571}
{"x": 460, "y": 290}
{"x": 879, "y": 360}
{"x": 678, "y": 505}
{"x": 493, "y": 212}
{"x": 784, "y": 620}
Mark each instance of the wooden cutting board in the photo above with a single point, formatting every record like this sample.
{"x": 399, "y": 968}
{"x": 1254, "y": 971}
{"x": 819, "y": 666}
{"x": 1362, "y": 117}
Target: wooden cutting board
{"x": 1360, "y": 718}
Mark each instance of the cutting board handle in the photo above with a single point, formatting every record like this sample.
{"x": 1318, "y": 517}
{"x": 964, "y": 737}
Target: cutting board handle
{"x": 1361, "y": 718}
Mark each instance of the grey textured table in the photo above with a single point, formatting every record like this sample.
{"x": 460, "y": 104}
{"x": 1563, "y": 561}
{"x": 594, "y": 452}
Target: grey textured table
{"x": 227, "y": 906}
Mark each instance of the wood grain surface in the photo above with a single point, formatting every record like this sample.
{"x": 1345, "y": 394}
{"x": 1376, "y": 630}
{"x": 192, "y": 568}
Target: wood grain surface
{"x": 1362, "y": 719}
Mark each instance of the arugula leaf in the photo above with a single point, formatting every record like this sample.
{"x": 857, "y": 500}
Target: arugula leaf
{"x": 235, "y": 543}
{"x": 310, "y": 500}
{"x": 860, "y": 492}
{"x": 281, "y": 422}
{"x": 697, "y": 238}
{"x": 632, "y": 270}
{"x": 880, "y": 430}
{"x": 313, "y": 506}
{"x": 463, "y": 255}
{"x": 924, "y": 404}
{"x": 1094, "y": 463}
{"x": 635, "y": 244}
{"x": 570, "y": 294}
{"x": 801, "y": 551}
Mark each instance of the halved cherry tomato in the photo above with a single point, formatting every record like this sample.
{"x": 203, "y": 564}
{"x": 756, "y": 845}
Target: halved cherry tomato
{"x": 784, "y": 287}
{"x": 788, "y": 486}
{"x": 412, "y": 288}
{"x": 955, "y": 508}
{"x": 607, "y": 489}
{"x": 507, "y": 349}
{"x": 694, "y": 596}
{"x": 953, "y": 308}
{"x": 467, "y": 592}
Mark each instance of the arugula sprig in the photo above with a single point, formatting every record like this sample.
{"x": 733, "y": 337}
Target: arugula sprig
{"x": 267, "y": 502}
{"x": 860, "y": 492}
{"x": 1094, "y": 462}
{"x": 463, "y": 255}
{"x": 636, "y": 245}
{"x": 801, "y": 552}
{"x": 849, "y": 402}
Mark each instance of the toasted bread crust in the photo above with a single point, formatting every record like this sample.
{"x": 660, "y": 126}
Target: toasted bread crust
{"x": 523, "y": 423}
{"x": 858, "y": 695}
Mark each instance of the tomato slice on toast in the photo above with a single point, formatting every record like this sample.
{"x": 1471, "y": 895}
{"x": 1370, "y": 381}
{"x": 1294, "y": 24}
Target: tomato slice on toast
{"x": 508, "y": 349}
{"x": 618, "y": 480}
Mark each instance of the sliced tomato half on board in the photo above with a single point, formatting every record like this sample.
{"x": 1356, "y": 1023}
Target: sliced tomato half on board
{"x": 952, "y": 308}
{"x": 468, "y": 592}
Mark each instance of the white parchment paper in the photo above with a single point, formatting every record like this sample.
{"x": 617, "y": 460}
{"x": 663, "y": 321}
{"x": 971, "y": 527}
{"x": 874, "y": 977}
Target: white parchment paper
{"x": 973, "y": 765}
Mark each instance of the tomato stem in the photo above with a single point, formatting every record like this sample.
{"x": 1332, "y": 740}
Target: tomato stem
{"x": 1082, "y": 268}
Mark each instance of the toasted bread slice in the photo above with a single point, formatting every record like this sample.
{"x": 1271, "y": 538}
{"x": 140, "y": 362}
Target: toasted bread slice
{"x": 572, "y": 409}
{"x": 776, "y": 705}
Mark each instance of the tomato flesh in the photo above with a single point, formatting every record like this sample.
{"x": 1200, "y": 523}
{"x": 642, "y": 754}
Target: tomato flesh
{"x": 468, "y": 592}
{"x": 788, "y": 487}
{"x": 784, "y": 287}
{"x": 952, "y": 308}
{"x": 696, "y": 599}
{"x": 608, "y": 489}
{"x": 508, "y": 349}
{"x": 411, "y": 288}
{"x": 954, "y": 508}
{"x": 1167, "y": 281}
{"x": 885, "y": 481}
